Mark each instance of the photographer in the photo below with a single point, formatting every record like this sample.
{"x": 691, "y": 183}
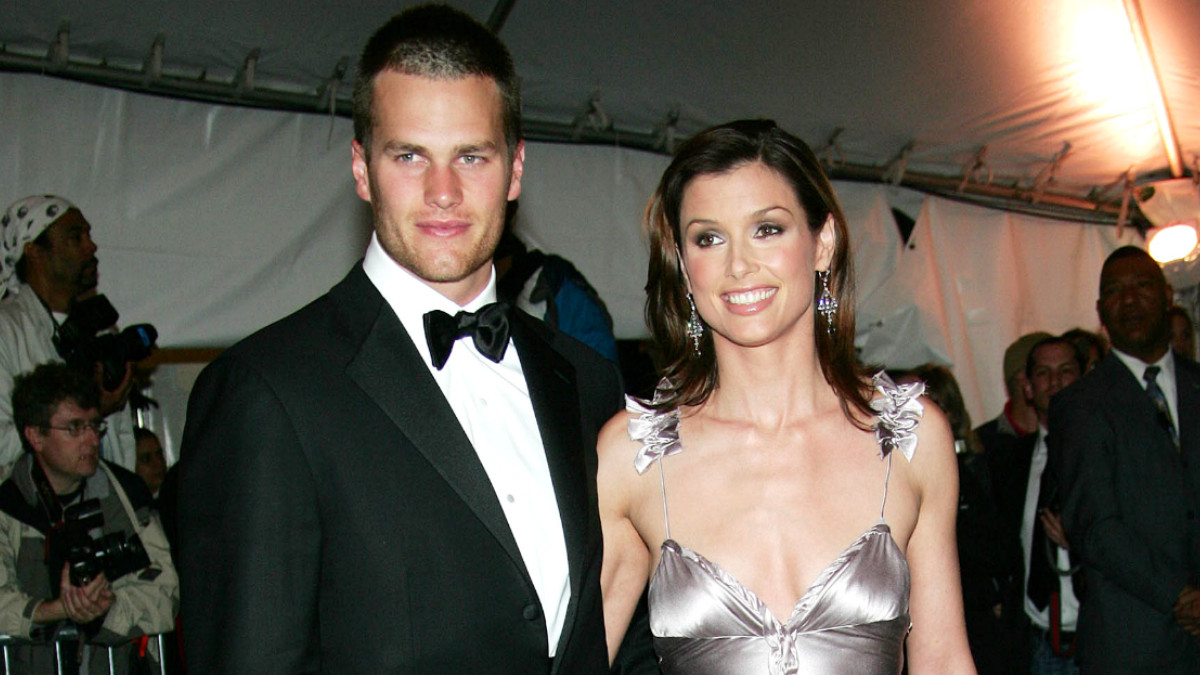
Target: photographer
{"x": 48, "y": 267}
{"x": 81, "y": 553}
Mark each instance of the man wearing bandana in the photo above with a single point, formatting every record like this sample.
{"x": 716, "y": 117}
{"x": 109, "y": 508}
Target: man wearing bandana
{"x": 47, "y": 262}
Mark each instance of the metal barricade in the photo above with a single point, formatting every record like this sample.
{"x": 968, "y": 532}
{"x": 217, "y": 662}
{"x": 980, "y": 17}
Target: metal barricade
{"x": 72, "y": 636}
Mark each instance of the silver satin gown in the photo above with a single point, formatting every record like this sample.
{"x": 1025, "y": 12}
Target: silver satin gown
{"x": 854, "y": 617}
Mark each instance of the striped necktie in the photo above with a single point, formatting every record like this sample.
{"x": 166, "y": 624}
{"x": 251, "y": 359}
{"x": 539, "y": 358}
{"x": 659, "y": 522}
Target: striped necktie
{"x": 1160, "y": 401}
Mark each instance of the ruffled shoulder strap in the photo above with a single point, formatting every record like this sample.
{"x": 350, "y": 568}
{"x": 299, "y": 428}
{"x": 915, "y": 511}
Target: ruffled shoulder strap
{"x": 658, "y": 431}
{"x": 900, "y": 411}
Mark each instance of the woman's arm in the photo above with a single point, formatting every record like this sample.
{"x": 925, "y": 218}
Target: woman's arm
{"x": 626, "y": 557}
{"x": 938, "y": 641}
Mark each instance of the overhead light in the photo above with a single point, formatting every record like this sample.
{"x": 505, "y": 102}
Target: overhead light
{"x": 1173, "y": 242}
{"x": 1173, "y": 206}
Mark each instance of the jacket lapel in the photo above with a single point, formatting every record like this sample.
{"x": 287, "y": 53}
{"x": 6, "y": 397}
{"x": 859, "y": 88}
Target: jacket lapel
{"x": 1187, "y": 392}
{"x": 389, "y": 370}
{"x": 1132, "y": 405}
{"x": 553, "y": 391}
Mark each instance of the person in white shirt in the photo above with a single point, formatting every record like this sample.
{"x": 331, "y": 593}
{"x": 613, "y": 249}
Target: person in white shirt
{"x": 1049, "y": 599}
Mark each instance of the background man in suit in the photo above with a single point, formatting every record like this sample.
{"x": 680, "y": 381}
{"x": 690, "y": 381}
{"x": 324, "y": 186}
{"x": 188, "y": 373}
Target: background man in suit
{"x": 363, "y": 492}
{"x": 1126, "y": 440}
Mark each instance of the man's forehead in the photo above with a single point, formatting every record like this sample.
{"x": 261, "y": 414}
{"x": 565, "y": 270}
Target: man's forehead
{"x": 1055, "y": 352}
{"x": 69, "y": 408}
{"x": 1136, "y": 266}
{"x": 72, "y": 219}
{"x": 399, "y": 96}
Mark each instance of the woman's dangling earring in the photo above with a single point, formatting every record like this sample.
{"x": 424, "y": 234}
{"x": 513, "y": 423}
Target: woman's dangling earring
{"x": 827, "y": 305}
{"x": 695, "y": 329}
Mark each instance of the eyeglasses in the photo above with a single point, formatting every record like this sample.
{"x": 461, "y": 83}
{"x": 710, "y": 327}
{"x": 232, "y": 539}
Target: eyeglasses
{"x": 77, "y": 428}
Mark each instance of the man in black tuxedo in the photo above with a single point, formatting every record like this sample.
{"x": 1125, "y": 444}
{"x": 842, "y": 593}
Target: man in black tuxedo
{"x": 363, "y": 488}
{"x": 1126, "y": 441}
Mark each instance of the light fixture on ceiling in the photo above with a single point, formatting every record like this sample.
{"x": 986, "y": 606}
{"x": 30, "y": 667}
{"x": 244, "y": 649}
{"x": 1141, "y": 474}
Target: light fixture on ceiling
{"x": 1173, "y": 242}
{"x": 1173, "y": 206}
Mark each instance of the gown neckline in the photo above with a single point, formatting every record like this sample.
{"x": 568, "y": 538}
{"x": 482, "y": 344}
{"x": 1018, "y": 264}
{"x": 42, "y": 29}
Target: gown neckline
{"x": 800, "y": 608}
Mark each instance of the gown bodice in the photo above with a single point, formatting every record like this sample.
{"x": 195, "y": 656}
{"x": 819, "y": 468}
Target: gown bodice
{"x": 854, "y": 617}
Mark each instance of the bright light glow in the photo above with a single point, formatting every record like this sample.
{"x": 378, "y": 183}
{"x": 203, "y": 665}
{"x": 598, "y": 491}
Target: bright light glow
{"x": 1172, "y": 242}
{"x": 1109, "y": 68}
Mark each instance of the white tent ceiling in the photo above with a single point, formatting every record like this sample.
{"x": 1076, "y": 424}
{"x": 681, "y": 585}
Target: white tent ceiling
{"x": 1052, "y": 92}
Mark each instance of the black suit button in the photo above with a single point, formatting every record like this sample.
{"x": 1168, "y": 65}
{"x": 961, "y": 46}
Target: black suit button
{"x": 531, "y": 613}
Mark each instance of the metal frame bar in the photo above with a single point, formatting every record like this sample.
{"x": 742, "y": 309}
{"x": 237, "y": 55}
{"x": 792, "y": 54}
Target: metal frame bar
{"x": 7, "y": 640}
{"x": 1001, "y": 192}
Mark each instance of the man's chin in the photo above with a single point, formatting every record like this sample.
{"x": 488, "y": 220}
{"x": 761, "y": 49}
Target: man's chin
{"x": 1136, "y": 343}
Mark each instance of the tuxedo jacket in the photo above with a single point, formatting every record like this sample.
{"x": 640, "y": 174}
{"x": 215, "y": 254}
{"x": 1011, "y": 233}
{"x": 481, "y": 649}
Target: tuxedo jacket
{"x": 334, "y": 518}
{"x": 1130, "y": 500}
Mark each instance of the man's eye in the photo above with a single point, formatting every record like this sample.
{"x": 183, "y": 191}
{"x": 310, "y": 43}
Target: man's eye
{"x": 472, "y": 159}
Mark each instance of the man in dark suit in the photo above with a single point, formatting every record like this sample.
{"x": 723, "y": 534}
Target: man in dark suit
{"x": 1126, "y": 441}
{"x": 363, "y": 488}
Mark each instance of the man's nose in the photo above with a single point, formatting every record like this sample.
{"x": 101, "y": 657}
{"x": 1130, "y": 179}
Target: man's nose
{"x": 443, "y": 187}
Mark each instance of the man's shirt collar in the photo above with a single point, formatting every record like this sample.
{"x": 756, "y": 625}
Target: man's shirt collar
{"x": 410, "y": 297}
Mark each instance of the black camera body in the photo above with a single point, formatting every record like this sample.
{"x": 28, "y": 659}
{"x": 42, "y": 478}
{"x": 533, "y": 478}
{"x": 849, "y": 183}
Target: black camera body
{"x": 114, "y": 554}
{"x": 83, "y": 341}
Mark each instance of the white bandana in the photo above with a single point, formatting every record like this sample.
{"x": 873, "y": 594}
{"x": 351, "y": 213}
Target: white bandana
{"x": 22, "y": 223}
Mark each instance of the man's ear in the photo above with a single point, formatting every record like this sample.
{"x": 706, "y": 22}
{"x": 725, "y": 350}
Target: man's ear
{"x": 518, "y": 170}
{"x": 32, "y": 251}
{"x": 34, "y": 436}
{"x": 358, "y": 167}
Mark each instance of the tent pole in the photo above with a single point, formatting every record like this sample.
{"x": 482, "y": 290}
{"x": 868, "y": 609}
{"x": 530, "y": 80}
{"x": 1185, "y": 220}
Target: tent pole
{"x": 1166, "y": 126}
{"x": 499, "y": 15}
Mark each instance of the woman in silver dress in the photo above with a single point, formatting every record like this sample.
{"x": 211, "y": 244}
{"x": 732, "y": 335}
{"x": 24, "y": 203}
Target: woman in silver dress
{"x": 758, "y": 493}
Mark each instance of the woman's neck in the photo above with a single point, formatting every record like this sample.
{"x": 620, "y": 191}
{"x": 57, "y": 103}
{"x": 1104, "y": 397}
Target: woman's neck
{"x": 772, "y": 383}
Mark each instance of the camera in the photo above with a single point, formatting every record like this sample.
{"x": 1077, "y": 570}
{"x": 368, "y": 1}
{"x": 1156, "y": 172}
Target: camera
{"x": 83, "y": 341}
{"x": 114, "y": 554}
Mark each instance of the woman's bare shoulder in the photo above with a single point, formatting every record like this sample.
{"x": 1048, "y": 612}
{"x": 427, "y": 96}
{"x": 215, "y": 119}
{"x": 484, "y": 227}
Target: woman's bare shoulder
{"x": 934, "y": 461}
{"x": 614, "y": 435}
{"x": 634, "y": 439}
{"x": 616, "y": 449}
{"x": 934, "y": 428}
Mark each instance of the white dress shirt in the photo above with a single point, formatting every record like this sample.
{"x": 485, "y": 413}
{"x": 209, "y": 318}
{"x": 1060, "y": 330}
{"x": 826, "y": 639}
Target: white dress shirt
{"x": 491, "y": 401}
{"x": 1068, "y": 603}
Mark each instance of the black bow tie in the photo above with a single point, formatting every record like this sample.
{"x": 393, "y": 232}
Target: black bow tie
{"x": 488, "y": 328}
